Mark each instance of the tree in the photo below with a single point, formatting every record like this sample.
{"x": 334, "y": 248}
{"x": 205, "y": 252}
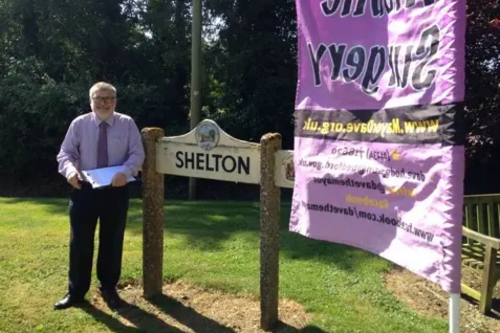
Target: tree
{"x": 254, "y": 68}
{"x": 482, "y": 104}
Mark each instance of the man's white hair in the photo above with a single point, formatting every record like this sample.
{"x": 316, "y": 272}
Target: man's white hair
{"x": 102, "y": 86}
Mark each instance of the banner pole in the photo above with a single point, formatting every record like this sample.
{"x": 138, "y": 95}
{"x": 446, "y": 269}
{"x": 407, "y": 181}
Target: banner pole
{"x": 454, "y": 314}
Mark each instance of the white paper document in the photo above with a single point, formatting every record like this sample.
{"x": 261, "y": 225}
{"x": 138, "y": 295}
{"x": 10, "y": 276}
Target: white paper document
{"x": 103, "y": 177}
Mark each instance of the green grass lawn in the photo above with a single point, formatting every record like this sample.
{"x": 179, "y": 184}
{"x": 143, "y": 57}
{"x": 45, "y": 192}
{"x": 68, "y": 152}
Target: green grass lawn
{"x": 210, "y": 244}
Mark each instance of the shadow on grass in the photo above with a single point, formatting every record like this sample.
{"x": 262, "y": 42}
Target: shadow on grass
{"x": 187, "y": 316}
{"x": 205, "y": 225}
{"x": 144, "y": 321}
{"x": 284, "y": 328}
{"x": 495, "y": 309}
{"x": 494, "y": 312}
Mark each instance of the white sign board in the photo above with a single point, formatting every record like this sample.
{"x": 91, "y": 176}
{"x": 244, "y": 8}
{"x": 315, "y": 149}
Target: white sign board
{"x": 209, "y": 152}
{"x": 284, "y": 171}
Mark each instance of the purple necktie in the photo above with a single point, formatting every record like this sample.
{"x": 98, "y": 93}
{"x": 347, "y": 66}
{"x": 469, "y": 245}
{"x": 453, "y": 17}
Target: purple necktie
{"x": 102, "y": 146}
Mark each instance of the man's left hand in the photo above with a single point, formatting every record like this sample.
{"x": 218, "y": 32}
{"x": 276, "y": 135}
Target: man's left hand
{"x": 119, "y": 180}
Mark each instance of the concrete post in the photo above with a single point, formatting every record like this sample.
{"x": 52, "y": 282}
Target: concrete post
{"x": 152, "y": 211}
{"x": 270, "y": 204}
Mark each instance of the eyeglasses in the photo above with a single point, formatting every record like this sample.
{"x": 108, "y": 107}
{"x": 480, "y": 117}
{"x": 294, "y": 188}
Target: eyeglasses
{"x": 103, "y": 99}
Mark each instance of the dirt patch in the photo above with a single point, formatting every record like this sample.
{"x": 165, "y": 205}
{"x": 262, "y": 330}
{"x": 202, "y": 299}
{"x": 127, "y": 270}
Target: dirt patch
{"x": 183, "y": 308}
{"x": 428, "y": 299}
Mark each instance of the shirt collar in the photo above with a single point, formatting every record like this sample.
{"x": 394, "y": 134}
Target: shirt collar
{"x": 110, "y": 120}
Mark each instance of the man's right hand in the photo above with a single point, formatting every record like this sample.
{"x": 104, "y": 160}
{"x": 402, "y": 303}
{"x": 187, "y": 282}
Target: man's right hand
{"x": 74, "y": 180}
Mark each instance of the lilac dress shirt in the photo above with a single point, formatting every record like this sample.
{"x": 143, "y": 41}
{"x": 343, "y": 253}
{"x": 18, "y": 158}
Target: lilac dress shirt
{"x": 79, "y": 148}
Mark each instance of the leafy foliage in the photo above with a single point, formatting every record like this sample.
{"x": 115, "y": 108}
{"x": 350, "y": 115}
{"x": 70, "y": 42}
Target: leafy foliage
{"x": 482, "y": 116}
{"x": 52, "y": 51}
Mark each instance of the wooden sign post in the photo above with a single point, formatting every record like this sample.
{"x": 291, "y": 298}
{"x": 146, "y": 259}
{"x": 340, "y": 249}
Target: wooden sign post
{"x": 209, "y": 152}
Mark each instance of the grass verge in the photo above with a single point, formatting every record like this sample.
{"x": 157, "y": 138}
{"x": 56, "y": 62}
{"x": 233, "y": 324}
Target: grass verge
{"x": 208, "y": 244}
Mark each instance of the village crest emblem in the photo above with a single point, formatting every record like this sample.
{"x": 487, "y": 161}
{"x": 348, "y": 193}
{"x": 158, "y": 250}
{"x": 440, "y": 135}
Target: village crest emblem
{"x": 207, "y": 135}
{"x": 287, "y": 168}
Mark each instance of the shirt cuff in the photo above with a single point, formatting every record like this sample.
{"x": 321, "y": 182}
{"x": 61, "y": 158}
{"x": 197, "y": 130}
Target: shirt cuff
{"x": 71, "y": 172}
{"x": 126, "y": 171}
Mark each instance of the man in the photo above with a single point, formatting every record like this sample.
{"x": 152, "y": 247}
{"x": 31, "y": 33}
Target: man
{"x": 98, "y": 139}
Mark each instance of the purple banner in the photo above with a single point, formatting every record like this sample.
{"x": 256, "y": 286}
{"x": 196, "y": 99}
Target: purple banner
{"x": 379, "y": 156}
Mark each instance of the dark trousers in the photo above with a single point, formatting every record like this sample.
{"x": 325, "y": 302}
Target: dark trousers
{"x": 110, "y": 206}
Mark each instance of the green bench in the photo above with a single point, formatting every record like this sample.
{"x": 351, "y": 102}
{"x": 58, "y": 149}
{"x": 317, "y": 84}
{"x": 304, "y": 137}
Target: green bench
{"x": 481, "y": 245}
